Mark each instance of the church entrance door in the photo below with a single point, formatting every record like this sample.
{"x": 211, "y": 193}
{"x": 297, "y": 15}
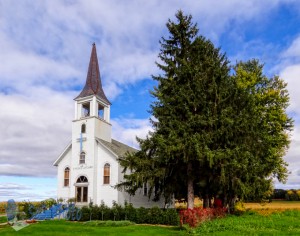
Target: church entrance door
{"x": 81, "y": 194}
{"x": 81, "y": 189}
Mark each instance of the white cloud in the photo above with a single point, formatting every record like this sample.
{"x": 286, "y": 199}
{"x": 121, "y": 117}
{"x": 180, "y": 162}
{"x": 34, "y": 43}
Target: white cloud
{"x": 127, "y": 129}
{"x": 289, "y": 70}
{"x": 35, "y": 127}
{"x": 293, "y": 50}
{"x": 44, "y": 53}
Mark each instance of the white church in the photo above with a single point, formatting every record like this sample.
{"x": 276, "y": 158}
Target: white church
{"x": 88, "y": 168}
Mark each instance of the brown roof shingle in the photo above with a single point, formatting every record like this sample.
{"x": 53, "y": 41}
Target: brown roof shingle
{"x": 93, "y": 85}
{"x": 120, "y": 149}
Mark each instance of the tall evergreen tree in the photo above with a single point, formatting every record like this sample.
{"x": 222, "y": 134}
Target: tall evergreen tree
{"x": 188, "y": 94}
{"x": 214, "y": 133}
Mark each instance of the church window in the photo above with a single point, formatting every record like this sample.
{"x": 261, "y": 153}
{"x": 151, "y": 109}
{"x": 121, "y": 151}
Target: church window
{"x": 66, "y": 177}
{"x": 145, "y": 188}
{"x": 82, "y": 158}
{"x": 83, "y": 128}
{"x": 100, "y": 111}
{"x": 82, "y": 179}
{"x": 106, "y": 175}
{"x": 85, "y": 109}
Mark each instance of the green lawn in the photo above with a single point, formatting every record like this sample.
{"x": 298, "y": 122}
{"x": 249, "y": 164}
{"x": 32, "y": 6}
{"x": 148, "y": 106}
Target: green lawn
{"x": 55, "y": 227}
{"x": 3, "y": 219}
{"x": 284, "y": 223}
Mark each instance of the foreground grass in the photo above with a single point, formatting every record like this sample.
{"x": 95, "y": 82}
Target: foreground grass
{"x": 284, "y": 223}
{"x": 3, "y": 219}
{"x": 251, "y": 223}
{"x": 60, "y": 227}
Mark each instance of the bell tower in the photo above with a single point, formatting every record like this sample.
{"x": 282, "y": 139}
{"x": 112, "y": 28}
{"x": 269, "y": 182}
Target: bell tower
{"x": 92, "y": 108}
{"x": 91, "y": 124}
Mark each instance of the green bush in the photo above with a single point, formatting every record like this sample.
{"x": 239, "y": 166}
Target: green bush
{"x": 171, "y": 217}
{"x": 118, "y": 211}
{"x": 130, "y": 212}
{"x": 104, "y": 212}
{"x": 155, "y": 215}
{"x": 141, "y": 215}
{"x": 85, "y": 214}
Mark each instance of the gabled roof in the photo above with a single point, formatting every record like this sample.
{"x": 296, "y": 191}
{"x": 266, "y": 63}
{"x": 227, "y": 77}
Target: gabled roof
{"x": 118, "y": 148}
{"x": 93, "y": 85}
{"x": 62, "y": 155}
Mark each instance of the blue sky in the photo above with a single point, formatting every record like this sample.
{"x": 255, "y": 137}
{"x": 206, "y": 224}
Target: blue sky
{"x": 44, "y": 55}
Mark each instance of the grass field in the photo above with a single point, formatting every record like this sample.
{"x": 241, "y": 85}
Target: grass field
{"x": 60, "y": 227}
{"x": 274, "y": 205}
{"x": 284, "y": 223}
{"x": 279, "y": 221}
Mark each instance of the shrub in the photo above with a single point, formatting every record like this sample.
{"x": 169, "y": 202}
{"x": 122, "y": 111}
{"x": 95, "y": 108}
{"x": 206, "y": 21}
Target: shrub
{"x": 130, "y": 212}
{"x": 155, "y": 215}
{"x": 2, "y": 207}
{"x": 194, "y": 217}
{"x": 239, "y": 208}
{"x": 104, "y": 212}
{"x": 49, "y": 202}
{"x": 28, "y": 208}
{"x": 171, "y": 217}
{"x": 118, "y": 211}
{"x": 141, "y": 215}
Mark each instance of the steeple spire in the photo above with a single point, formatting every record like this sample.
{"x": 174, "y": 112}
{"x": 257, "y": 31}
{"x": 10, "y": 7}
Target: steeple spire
{"x": 93, "y": 84}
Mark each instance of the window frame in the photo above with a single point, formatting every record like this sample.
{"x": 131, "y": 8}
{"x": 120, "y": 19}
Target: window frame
{"x": 67, "y": 177}
{"x": 82, "y": 157}
{"x": 106, "y": 173}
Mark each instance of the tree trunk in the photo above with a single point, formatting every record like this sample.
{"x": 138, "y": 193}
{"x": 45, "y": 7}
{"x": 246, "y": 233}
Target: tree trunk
{"x": 232, "y": 203}
{"x": 206, "y": 201}
{"x": 190, "y": 187}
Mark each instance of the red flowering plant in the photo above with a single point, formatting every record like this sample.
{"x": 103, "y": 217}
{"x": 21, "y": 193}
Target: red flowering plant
{"x": 194, "y": 217}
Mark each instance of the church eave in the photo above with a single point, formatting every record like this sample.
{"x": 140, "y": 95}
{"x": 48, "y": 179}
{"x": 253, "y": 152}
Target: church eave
{"x": 80, "y": 99}
{"x": 61, "y": 156}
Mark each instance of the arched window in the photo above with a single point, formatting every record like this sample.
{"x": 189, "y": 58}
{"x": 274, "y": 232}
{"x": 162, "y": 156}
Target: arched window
{"x": 85, "y": 110}
{"x": 106, "y": 174}
{"x": 82, "y": 158}
{"x": 82, "y": 179}
{"x": 67, "y": 177}
{"x": 83, "y": 128}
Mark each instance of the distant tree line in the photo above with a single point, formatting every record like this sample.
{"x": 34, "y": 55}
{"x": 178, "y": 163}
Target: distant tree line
{"x": 279, "y": 194}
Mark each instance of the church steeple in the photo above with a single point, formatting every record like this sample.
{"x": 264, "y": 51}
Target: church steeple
{"x": 93, "y": 85}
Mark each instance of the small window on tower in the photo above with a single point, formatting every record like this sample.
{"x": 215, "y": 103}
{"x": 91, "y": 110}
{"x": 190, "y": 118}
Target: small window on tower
{"x": 82, "y": 158}
{"x": 83, "y": 128}
{"x": 85, "y": 110}
{"x": 100, "y": 111}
